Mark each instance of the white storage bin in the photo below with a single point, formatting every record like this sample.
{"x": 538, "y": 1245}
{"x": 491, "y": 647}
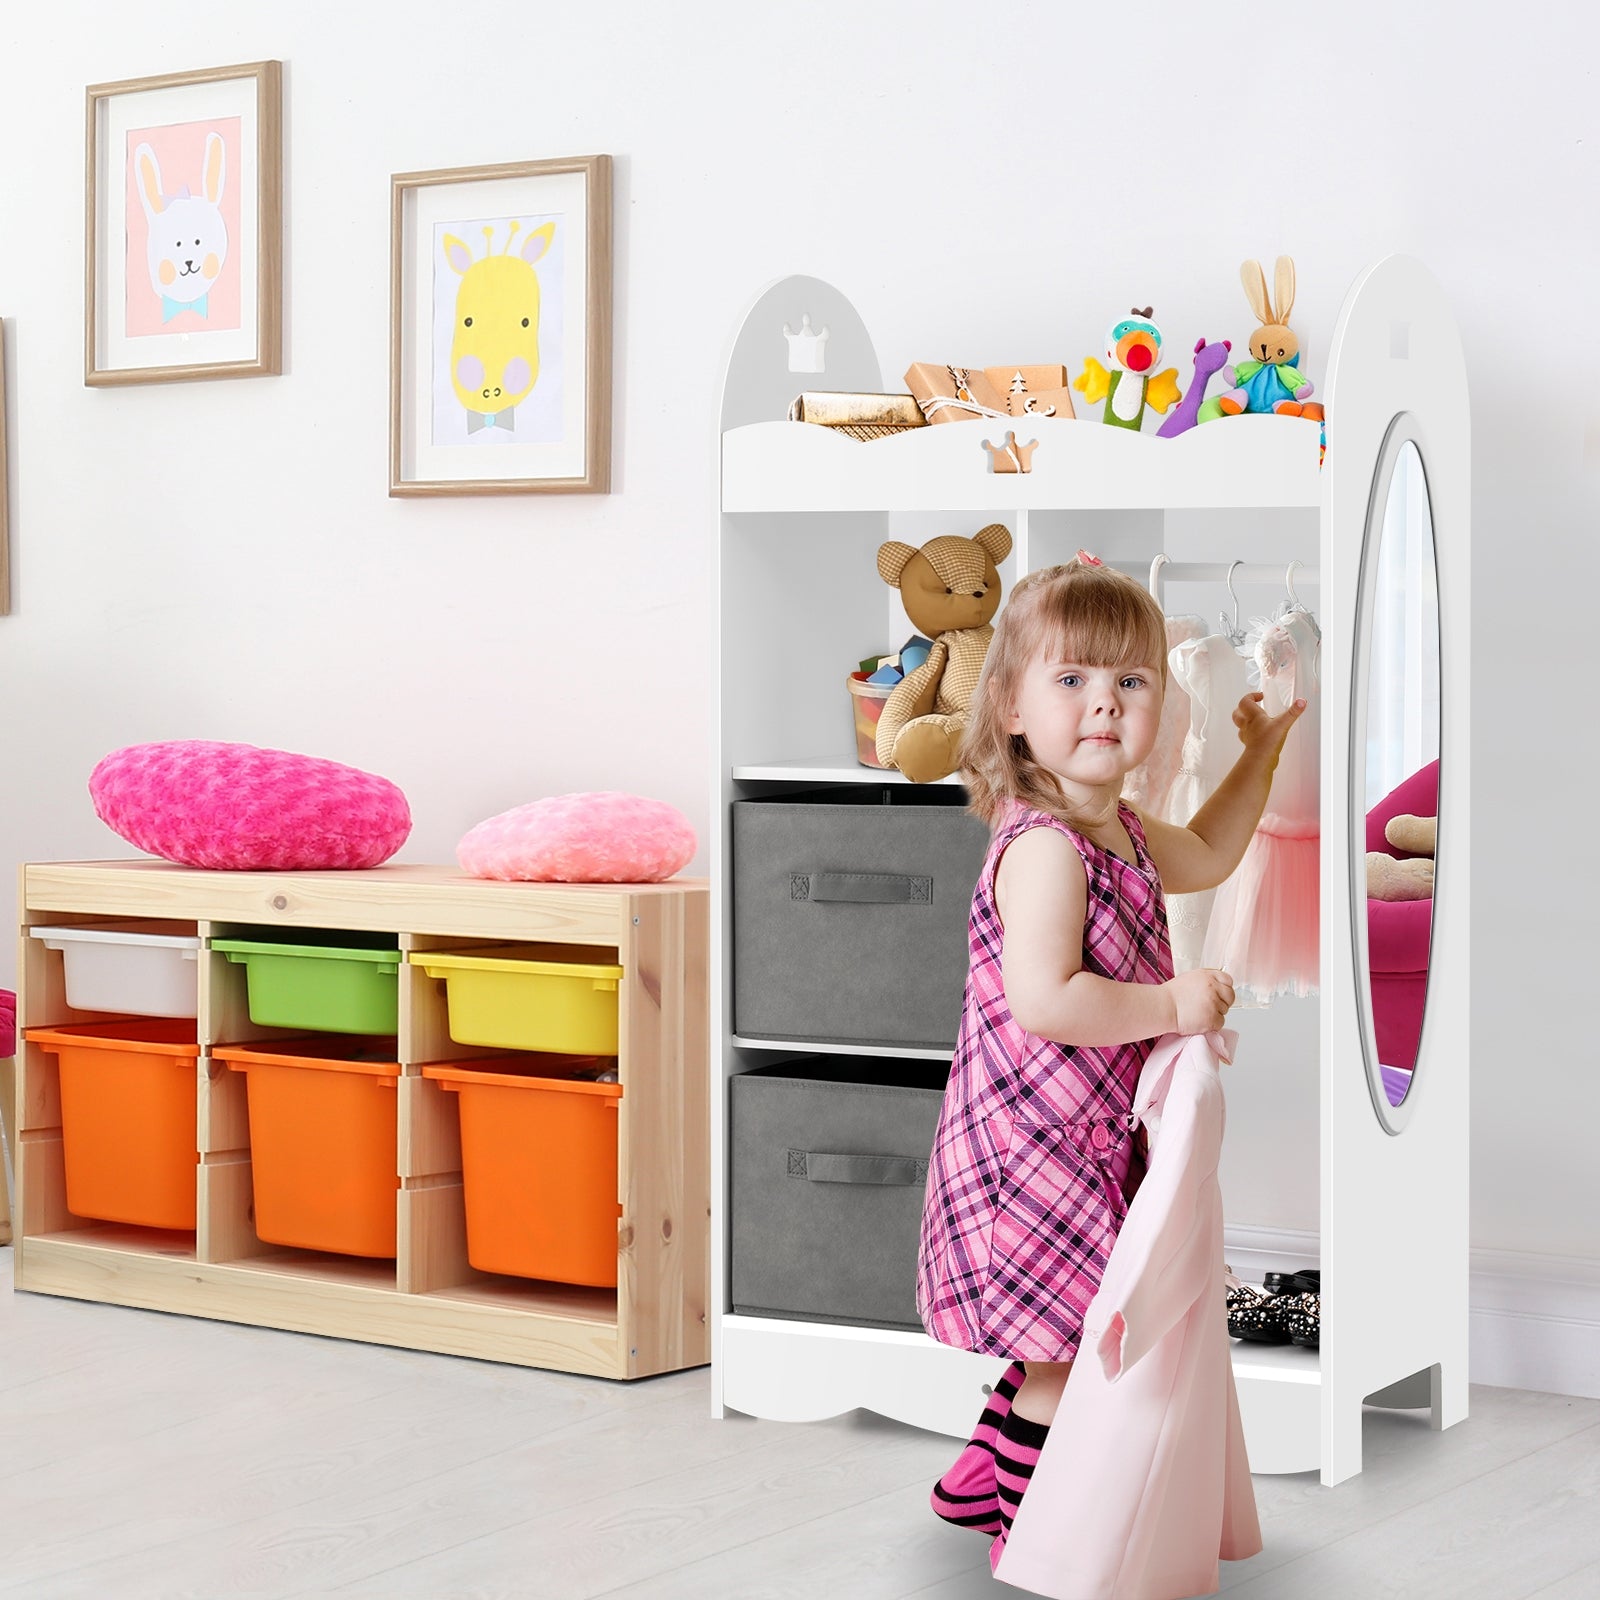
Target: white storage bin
{"x": 128, "y": 968}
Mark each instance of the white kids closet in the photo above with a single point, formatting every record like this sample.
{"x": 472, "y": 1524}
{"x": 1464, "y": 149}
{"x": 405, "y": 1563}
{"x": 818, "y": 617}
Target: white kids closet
{"x": 803, "y": 511}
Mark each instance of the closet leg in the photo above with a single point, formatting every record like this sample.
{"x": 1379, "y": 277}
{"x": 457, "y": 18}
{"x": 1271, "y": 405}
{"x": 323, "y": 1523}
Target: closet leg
{"x": 1447, "y": 1384}
{"x": 1341, "y": 1444}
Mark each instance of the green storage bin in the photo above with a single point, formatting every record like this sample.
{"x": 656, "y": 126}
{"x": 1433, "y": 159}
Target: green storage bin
{"x": 328, "y": 983}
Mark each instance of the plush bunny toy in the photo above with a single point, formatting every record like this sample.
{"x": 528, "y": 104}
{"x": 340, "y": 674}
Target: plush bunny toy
{"x": 1270, "y": 378}
{"x": 186, "y": 238}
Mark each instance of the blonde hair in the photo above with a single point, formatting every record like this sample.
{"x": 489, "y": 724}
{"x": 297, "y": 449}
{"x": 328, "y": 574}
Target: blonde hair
{"x": 1079, "y": 612}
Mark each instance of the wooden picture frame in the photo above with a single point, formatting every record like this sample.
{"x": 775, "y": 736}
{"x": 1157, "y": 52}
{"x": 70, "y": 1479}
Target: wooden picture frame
{"x": 508, "y": 390}
{"x": 199, "y": 155}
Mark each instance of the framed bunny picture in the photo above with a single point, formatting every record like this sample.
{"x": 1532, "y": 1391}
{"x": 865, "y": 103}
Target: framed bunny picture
{"x": 183, "y": 237}
{"x": 500, "y": 329}
{"x": 5, "y": 488}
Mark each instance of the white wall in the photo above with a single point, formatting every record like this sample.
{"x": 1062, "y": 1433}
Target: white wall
{"x": 220, "y": 560}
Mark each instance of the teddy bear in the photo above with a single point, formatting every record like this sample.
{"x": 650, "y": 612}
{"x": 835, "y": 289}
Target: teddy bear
{"x": 1389, "y": 879}
{"x": 951, "y": 590}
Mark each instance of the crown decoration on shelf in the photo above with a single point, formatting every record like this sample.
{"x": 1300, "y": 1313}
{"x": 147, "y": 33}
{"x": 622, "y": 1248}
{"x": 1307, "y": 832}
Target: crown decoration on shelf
{"x": 807, "y": 348}
{"x": 1009, "y": 456}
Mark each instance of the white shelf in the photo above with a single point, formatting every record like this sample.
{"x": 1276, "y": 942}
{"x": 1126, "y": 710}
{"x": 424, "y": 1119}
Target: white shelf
{"x": 1243, "y": 462}
{"x": 1280, "y": 1405}
{"x": 803, "y": 1371}
{"x": 1269, "y": 1363}
{"x": 823, "y": 769}
{"x": 908, "y": 1052}
{"x": 1276, "y": 1363}
{"x": 901, "y": 1339}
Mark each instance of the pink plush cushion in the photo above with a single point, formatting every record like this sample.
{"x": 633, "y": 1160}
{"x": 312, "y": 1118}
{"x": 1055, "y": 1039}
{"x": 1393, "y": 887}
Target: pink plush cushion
{"x": 206, "y": 804}
{"x": 581, "y": 838}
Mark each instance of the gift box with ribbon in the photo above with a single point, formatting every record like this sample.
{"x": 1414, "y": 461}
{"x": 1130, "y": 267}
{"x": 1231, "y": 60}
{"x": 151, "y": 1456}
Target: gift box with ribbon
{"x": 1036, "y": 391}
{"x": 954, "y": 394}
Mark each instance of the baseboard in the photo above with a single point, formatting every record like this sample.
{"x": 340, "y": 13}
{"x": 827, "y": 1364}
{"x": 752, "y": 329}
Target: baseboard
{"x": 1534, "y": 1319}
{"x": 1535, "y": 1322}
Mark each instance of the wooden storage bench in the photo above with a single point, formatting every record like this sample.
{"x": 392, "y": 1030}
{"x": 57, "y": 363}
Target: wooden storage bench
{"x": 428, "y": 1297}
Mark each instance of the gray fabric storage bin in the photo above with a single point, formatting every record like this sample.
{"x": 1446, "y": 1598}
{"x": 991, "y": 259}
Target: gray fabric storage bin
{"x": 850, "y": 912}
{"x": 829, "y": 1166}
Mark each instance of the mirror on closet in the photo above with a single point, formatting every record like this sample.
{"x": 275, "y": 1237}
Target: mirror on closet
{"x": 1395, "y": 767}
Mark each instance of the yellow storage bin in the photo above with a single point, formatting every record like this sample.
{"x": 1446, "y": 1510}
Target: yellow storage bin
{"x": 552, "y": 997}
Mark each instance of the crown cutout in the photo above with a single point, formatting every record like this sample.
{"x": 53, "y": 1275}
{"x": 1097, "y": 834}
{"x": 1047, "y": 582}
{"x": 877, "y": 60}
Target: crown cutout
{"x": 807, "y": 349}
{"x": 1015, "y": 457}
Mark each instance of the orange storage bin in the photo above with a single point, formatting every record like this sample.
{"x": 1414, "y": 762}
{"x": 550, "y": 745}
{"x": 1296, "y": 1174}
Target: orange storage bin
{"x": 323, "y": 1130}
{"x": 538, "y": 1166}
{"x": 128, "y": 1095}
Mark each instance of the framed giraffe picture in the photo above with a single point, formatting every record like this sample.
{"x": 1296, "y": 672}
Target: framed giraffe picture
{"x": 500, "y": 329}
{"x": 183, "y": 237}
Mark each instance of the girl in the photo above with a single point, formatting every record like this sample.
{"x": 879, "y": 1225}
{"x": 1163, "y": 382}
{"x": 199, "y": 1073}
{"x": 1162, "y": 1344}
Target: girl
{"x": 1070, "y": 984}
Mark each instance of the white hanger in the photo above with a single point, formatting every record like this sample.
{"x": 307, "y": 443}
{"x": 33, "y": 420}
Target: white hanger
{"x": 1294, "y": 602}
{"x": 1234, "y": 634}
{"x": 1155, "y": 574}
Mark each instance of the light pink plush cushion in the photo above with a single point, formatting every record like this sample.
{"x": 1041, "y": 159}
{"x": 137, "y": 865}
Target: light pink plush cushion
{"x": 206, "y": 804}
{"x": 581, "y": 838}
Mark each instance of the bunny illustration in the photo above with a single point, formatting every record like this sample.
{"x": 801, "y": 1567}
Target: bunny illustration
{"x": 186, "y": 239}
{"x": 1270, "y": 380}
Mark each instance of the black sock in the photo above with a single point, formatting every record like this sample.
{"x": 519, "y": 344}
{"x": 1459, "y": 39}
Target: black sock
{"x": 1016, "y": 1455}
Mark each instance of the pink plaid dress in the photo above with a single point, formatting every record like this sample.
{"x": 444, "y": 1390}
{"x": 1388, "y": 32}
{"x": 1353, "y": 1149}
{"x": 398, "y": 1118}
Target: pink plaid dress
{"x": 1033, "y": 1164}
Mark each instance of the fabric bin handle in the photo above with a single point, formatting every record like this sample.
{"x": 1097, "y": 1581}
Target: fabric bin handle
{"x": 862, "y": 888}
{"x": 823, "y": 1167}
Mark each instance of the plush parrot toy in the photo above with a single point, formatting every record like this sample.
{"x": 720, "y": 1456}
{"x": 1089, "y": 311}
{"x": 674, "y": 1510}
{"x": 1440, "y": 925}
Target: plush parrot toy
{"x": 1133, "y": 347}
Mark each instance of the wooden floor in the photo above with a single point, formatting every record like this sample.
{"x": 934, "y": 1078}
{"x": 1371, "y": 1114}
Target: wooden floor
{"x": 144, "y": 1455}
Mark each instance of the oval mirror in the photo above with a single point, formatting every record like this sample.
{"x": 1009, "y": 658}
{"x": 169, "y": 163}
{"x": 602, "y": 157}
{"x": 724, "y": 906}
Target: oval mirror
{"x": 1395, "y": 771}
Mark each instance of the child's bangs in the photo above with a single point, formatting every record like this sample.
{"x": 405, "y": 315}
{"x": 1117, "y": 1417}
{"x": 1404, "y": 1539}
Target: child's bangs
{"x": 1116, "y": 626}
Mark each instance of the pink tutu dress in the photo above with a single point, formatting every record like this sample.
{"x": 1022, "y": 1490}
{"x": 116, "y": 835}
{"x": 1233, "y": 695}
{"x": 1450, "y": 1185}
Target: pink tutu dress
{"x": 1264, "y": 921}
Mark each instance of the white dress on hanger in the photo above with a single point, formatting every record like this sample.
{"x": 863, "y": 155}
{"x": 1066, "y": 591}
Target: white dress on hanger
{"x": 1215, "y": 677}
{"x": 1148, "y": 785}
{"x": 1264, "y": 925}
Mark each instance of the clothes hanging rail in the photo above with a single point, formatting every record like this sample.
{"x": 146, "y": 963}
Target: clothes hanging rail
{"x": 1163, "y": 569}
{"x": 1243, "y": 572}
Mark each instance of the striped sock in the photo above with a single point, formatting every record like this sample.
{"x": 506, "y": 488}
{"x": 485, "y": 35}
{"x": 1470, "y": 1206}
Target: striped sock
{"x": 1016, "y": 1455}
{"x": 965, "y": 1495}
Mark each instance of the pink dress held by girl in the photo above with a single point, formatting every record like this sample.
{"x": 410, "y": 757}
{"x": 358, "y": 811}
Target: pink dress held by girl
{"x": 1038, "y": 1153}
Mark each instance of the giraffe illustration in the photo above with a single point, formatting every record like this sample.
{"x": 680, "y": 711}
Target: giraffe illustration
{"x": 494, "y": 351}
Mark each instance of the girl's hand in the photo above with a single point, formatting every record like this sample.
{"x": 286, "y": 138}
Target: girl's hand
{"x": 1200, "y": 1000}
{"x": 1262, "y": 735}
